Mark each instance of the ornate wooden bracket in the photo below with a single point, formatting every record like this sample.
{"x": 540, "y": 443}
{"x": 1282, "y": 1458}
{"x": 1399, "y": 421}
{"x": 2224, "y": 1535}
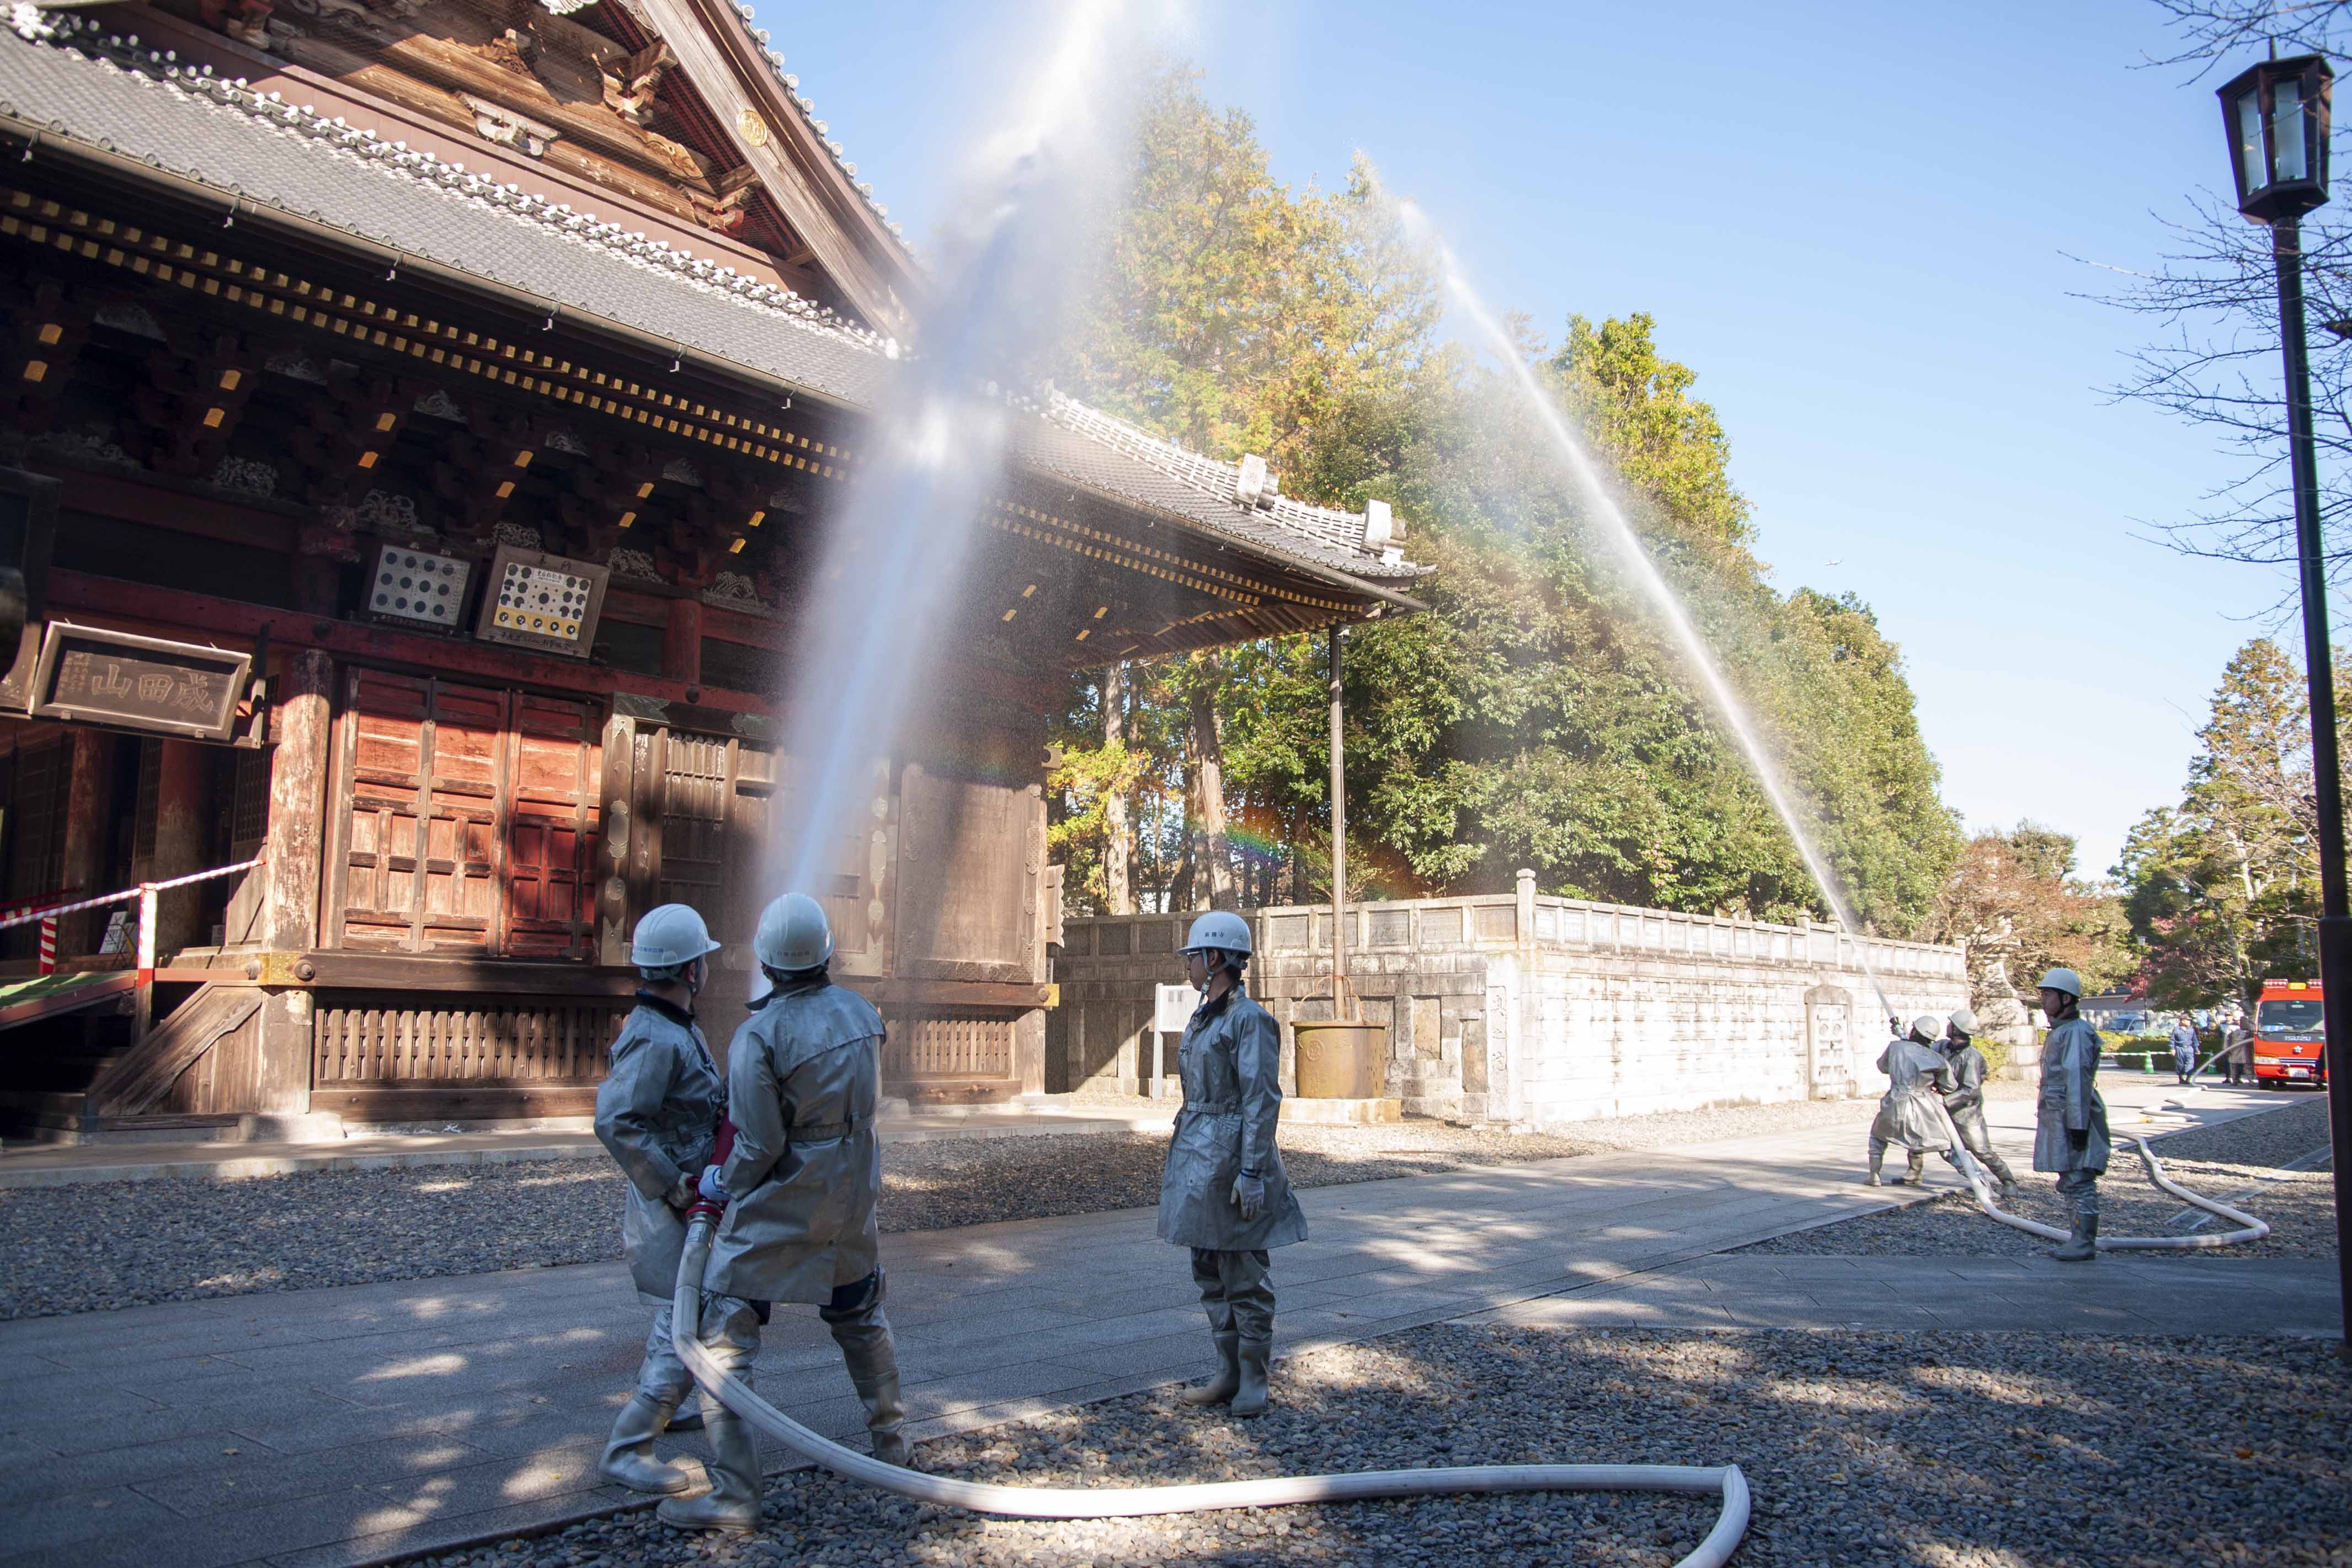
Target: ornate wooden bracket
{"x": 726, "y": 210}
{"x": 484, "y": 468}
{"x": 51, "y": 323}
{"x": 246, "y": 21}
{"x": 350, "y": 432}
{"x": 633, "y": 86}
{"x": 605, "y": 506}
{"x": 193, "y": 398}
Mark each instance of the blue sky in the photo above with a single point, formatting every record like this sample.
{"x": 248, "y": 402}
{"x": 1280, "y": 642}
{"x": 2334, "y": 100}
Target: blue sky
{"x": 1855, "y": 222}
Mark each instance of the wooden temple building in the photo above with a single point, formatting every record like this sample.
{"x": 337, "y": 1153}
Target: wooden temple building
{"x": 422, "y": 416}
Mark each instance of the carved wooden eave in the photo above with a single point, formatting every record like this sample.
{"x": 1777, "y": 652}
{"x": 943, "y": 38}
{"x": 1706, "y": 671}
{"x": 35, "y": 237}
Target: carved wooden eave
{"x": 845, "y": 237}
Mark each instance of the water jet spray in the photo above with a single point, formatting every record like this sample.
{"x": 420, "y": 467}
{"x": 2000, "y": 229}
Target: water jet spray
{"x": 1585, "y": 470}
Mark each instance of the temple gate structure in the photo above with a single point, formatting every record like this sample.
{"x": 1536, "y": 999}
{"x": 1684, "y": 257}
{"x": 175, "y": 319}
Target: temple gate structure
{"x": 424, "y": 420}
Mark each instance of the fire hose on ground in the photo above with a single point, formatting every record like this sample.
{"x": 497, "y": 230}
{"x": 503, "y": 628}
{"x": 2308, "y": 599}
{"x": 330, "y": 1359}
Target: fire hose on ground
{"x": 2251, "y": 1228}
{"x": 1118, "y": 1502}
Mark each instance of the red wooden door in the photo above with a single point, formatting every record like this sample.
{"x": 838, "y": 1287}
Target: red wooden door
{"x": 423, "y": 775}
{"x": 556, "y": 767}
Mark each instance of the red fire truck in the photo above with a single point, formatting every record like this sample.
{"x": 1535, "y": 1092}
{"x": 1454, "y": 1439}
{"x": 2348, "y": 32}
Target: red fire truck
{"x": 2288, "y": 1043}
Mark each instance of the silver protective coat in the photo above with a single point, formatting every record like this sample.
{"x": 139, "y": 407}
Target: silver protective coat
{"x": 657, "y": 1113}
{"x": 1231, "y": 1063}
{"x": 2069, "y": 1103}
{"x": 803, "y": 1079}
{"x": 1906, "y": 1115}
{"x": 1964, "y": 1099}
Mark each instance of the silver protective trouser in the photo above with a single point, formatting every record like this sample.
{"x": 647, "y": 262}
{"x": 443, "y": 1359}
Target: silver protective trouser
{"x": 2079, "y": 1191}
{"x": 661, "y": 1376}
{"x": 1978, "y": 1141}
{"x": 862, "y": 1331}
{"x": 1236, "y": 1291}
{"x": 1878, "y": 1155}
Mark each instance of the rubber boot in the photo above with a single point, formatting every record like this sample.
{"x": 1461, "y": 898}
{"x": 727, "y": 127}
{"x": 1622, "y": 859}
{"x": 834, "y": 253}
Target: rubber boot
{"x": 2008, "y": 1193}
{"x": 1915, "y": 1174}
{"x": 629, "y": 1452}
{"x": 2084, "y": 1245}
{"x": 1875, "y": 1179}
{"x": 687, "y": 1417}
{"x": 733, "y": 1500}
{"x": 1250, "y": 1359}
{"x": 1222, "y": 1387}
{"x": 885, "y": 1412}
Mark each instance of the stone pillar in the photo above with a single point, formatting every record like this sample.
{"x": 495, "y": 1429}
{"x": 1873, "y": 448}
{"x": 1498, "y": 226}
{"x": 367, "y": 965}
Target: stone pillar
{"x": 183, "y": 791}
{"x": 1524, "y": 1026}
{"x": 89, "y": 813}
{"x": 296, "y": 847}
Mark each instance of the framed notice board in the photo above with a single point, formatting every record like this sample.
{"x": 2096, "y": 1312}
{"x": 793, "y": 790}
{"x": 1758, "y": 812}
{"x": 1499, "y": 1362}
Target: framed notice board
{"x": 92, "y": 676}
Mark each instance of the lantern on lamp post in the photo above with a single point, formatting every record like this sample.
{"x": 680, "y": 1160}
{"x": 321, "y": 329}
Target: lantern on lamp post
{"x": 2276, "y": 115}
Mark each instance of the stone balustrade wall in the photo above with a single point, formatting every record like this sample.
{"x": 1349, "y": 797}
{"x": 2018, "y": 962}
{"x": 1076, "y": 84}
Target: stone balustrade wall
{"x": 1529, "y": 1011}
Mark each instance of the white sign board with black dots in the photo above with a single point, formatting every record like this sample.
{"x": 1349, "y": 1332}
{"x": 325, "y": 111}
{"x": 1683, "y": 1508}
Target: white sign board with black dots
{"x": 418, "y": 588}
{"x": 545, "y": 602}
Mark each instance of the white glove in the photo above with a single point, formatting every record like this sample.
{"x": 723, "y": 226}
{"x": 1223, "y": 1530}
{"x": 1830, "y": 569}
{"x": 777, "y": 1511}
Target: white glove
{"x": 710, "y": 1188}
{"x": 1249, "y": 1194}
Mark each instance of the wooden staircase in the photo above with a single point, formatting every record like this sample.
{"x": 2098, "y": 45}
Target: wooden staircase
{"x": 78, "y": 1080}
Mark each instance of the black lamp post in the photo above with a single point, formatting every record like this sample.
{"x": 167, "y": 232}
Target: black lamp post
{"x": 2276, "y": 118}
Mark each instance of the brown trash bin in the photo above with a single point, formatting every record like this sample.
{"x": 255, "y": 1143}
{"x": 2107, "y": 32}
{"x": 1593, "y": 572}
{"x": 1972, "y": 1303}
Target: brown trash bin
{"x": 1338, "y": 1060}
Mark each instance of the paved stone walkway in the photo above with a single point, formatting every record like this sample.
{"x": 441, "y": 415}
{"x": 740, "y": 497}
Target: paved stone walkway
{"x": 325, "y": 1428}
{"x": 53, "y": 1164}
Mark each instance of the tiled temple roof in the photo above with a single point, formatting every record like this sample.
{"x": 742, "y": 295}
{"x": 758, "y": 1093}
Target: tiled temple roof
{"x": 72, "y": 79}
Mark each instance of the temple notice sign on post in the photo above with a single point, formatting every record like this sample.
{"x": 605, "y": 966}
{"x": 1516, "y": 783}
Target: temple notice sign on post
{"x": 93, "y": 676}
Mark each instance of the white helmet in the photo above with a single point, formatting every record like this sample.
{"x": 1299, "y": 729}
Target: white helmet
{"x": 1926, "y": 1027}
{"x": 1963, "y": 1021}
{"x": 2064, "y": 980}
{"x": 1220, "y": 929}
{"x": 670, "y": 935}
{"x": 793, "y": 934}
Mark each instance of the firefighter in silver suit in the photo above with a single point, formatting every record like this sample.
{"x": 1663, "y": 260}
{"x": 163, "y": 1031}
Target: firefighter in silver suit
{"x": 1224, "y": 1194}
{"x": 800, "y": 1183}
{"x": 1965, "y": 1100}
{"x": 2070, "y": 1124}
{"x": 656, "y": 1114}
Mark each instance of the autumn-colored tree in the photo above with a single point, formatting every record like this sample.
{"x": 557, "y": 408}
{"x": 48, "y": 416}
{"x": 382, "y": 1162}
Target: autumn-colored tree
{"x": 2014, "y": 902}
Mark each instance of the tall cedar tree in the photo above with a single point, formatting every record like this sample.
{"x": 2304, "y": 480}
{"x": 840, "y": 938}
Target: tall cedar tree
{"x": 1534, "y": 717}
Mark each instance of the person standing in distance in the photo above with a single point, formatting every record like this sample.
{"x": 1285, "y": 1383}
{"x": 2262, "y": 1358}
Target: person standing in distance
{"x": 2070, "y": 1124}
{"x": 2237, "y": 1052}
{"x": 1224, "y": 1192}
{"x": 2184, "y": 1048}
{"x": 803, "y": 1080}
{"x": 657, "y": 1113}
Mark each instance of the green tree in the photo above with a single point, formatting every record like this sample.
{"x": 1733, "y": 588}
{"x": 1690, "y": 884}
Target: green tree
{"x": 1534, "y": 717}
{"x": 2222, "y": 888}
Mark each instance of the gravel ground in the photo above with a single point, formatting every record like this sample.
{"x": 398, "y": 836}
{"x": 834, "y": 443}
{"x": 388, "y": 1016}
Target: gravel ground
{"x": 1946, "y": 1450}
{"x": 2226, "y": 1161}
{"x": 178, "y": 1240}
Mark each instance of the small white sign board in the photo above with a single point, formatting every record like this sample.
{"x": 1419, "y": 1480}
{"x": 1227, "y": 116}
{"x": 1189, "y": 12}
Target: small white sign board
{"x": 1172, "y": 1007}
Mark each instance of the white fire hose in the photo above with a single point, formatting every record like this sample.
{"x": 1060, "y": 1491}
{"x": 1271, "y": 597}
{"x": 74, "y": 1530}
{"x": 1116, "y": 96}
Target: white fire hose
{"x": 1118, "y": 1502}
{"x": 2252, "y": 1228}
